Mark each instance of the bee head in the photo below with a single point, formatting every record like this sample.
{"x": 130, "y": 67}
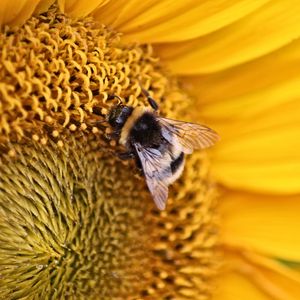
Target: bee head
{"x": 118, "y": 115}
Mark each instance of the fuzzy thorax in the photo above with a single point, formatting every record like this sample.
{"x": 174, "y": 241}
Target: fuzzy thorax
{"x": 136, "y": 114}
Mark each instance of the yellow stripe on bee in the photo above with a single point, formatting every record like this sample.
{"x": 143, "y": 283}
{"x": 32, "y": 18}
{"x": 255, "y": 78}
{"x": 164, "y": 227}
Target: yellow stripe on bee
{"x": 137, "y": 113}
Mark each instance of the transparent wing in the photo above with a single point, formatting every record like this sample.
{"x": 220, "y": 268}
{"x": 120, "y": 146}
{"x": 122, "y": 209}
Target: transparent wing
{"x": 189, "y": 135}
{"x": 155, "y": 171}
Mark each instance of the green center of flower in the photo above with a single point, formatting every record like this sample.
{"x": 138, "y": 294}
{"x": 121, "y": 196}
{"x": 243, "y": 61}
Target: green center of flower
{"x": 75, "y": 221}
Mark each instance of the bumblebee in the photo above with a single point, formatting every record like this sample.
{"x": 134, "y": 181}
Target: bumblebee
{"x": 157, "y": 144}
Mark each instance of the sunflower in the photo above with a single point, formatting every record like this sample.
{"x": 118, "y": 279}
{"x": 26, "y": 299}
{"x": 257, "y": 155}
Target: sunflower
{"x": 76, "y": 222}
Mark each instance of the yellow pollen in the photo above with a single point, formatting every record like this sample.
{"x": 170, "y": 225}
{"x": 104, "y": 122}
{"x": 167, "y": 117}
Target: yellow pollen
{"x": 55, "y": 133}
{"x": 113, "y": 143}
{"x": 12, "y": 152}
{"x": 108, "y": 130}
{"x": 95, "y": 130}
{"x": 48, "y": 119}
{"x": 35, "y": 137}
{"x": 72, "y": 127}
{"x": 60, "y": 144}
{"x": 83, "y": 126}
{"x": 43, "y": 141}
{"x": 104, "y": 111}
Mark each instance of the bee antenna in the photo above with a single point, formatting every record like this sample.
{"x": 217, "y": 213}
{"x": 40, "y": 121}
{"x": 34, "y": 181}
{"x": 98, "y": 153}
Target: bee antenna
{"x": 151, "y": 101}
{"x": 115, "y": 96}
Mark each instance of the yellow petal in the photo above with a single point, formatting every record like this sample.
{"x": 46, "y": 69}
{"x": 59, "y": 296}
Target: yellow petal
{"x": 266, "y": 224}
{"x": 284, "y": 280}
{"x": 260, "y": 152}
{"x": 43, "y": 6}
{"x": 254, "y": 107}
{"x": 170, "y": 21}
{"x": 80, "y": 8}
{"x": 267, "y": 29}
{"x": 243, "y": 89}
{"x": 235, "y": 286}
{"x": 16, "y": 12}
{"x": 117, "y": 12}
{"x": 254, "y": 277}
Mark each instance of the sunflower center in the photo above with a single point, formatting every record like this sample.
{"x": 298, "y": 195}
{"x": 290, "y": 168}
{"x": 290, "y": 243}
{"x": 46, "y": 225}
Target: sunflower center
{"x": 76, "y": 222}
{"x": 59, "y": 74}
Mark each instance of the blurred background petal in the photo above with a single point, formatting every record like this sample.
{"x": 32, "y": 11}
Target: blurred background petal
{"x": 80, "y": 8}
{"x": 16, "y": 12}
{"x": 233, "y": 286}
{"x": 171, "y": 21}
{"x": 267, "y": 29}
{"x": 257, "y": 278}
{"x": 265, "y": 224}
{"x": 236, "y": 92}
{"x": 260, "y": 152}
{"x": 43, "y": 6}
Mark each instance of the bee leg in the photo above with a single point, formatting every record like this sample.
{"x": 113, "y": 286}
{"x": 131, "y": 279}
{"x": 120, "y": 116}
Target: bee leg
{"x": 112, "y": 136}
{"x": 125, "y": 155}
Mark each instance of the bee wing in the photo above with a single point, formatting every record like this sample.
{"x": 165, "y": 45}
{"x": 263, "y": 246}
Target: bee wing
{"x": 189, "y": 135}
{"x": 155, "y": 172}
